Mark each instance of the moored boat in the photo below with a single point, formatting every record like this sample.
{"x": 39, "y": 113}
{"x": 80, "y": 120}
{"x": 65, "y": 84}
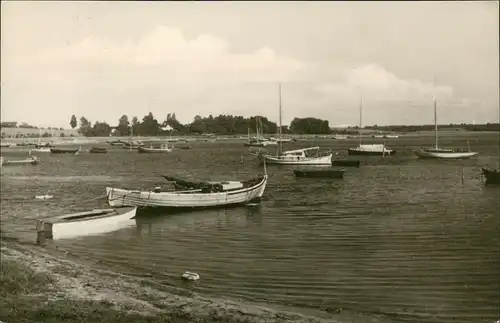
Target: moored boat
{"x": 40, "y": 150}
{"x": 298, "y": 157}
{"x": 98, "y": 150}
{"x": 33, "y": 160}
{"x": 368, "y": 149}
{"x": 64, "y": 150}
{"x": 371, "y": 150}
{"x": 5, "y": 144}
{"x": 93, "y": 222}
{"x": 116, "y": 142}
{"x": 150, "y": 150}
{"x": 213, "y": 194}
{"x": 492, "y": 175}
{"x": 440, "y": 153}
{"x": 319, "y": 173}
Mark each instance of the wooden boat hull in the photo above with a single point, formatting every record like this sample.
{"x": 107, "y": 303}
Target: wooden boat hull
{"x": 98, "y": 150}
{"x": 64, "y": 151}
{"x": 87, "y": 223}
{"x": 346, "y": 163}
{"x": 5, "y": 145}
{"x": 292, "y": 160}
{"x": 422, "y": 154}
{"x": 185, "y": 199}
{"x": 492, "y": 175}
{"x": 143, "y": 150}
{"x": 329, "y": 173}
{"x": 357, "y": 152}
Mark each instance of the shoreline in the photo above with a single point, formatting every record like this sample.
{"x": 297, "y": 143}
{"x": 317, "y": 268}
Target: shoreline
{"x": 68, "y": 282}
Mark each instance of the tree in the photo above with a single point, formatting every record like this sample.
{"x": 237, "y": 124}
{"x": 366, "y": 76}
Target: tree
{"x": 123, "y": 126}
{"x": 73, "y": 123}
{"x": 85, "y": 127}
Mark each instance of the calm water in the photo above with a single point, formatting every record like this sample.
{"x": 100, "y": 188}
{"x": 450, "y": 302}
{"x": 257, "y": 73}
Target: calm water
{"x": 400, "y": 237}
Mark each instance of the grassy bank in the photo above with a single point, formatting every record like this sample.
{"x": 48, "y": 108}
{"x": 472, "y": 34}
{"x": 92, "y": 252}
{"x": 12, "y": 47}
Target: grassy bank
{"x": 30, "y": 296}
{"x": 45, "y": 285}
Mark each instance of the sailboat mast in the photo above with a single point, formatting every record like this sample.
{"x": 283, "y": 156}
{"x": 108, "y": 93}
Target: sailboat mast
{"x": 435, "y": 124}
{"x": 435, "y": 114}
{"x": 279, "y": 129}
{"x": 360, "y": 117}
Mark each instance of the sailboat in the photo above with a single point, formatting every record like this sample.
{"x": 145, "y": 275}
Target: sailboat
{"x": 442, "y": 153}
{"x": 493, "y": 175}
{"x": 368, "y": 149}
{"x": 259, "y": 140}
{"x": 39, "y": 147}
{"x": 294, "y": 157}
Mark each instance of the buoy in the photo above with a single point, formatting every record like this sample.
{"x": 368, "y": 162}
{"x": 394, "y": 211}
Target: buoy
{"x": 187, "y": 275}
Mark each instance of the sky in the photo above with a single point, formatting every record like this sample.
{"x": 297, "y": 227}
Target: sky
{"x": 105, "y": 59}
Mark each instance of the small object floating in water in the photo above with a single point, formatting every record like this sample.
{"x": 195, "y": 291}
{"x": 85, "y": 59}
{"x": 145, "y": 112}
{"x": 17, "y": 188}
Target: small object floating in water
{"x": 187, "y": 275}
{"x": 44, "y": 197}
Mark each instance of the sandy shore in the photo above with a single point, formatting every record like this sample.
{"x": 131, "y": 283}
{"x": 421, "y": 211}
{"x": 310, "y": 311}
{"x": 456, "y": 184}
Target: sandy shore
{"x": 85, "y": 280}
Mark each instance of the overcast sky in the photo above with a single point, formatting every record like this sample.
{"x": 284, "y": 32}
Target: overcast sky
{"x": 105, "y": 59}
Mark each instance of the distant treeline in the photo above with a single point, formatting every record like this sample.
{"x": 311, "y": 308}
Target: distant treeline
{"x": 238, "y": 125}
{"x": 458, "y": 127}
{"x": 221, "y": 125}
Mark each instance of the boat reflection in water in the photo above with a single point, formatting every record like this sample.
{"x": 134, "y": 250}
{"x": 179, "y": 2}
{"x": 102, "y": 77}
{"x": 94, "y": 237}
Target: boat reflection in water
{"x": 154, "y": 223}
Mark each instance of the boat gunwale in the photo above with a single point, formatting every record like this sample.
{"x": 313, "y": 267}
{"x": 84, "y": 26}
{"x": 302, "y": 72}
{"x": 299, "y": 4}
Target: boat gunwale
{"x": 92, "y": 215}
{"x": 192, "y": 192}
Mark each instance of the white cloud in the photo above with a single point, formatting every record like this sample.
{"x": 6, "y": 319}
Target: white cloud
{"x": 163, "y": 72}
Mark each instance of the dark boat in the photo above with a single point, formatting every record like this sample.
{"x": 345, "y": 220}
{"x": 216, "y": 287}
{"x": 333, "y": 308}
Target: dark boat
{"x": 183, "y": 147}
{"x": 492, "y": 175}
{"x": 346, "y": 163}
{"x": 116, "y": 143}
{"x": 370, "y": 150}
{"x": 320, "y": 173}
{"x": 64, "y": 151}
{"x": 98, "y": 150}
{"x": 44, "y": 145}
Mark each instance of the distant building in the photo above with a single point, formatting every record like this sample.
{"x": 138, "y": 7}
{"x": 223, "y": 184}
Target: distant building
{"x": 8, "y": 124}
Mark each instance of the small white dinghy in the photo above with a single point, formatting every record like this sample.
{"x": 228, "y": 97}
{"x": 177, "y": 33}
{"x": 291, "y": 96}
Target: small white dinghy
{"x": 187, "y": 275}
{"x": 43, "y": 197}
{"x": 93, "y": 222}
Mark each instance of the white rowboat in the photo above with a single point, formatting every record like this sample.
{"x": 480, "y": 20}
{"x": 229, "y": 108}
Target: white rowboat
{"x": 93, "y": 222}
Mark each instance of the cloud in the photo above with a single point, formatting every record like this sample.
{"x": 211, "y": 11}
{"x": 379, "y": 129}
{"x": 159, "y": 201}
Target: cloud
{"x": 173, "y": 58}
{"x": 163, "y": 71}
{"x": 374, "y": 82}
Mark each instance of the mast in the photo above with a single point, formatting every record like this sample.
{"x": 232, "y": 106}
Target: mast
{"x": 279, "y": 129}
{"x": 435, "y": 116}
{"x": 360, "y": 117}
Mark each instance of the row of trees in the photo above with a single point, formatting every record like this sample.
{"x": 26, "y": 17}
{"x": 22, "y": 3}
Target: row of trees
{"x": 221, "y": 124}
{"x": 234, "y": 125}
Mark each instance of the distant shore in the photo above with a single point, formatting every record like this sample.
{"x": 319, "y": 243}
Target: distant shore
{"x": 89, "y": 140}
